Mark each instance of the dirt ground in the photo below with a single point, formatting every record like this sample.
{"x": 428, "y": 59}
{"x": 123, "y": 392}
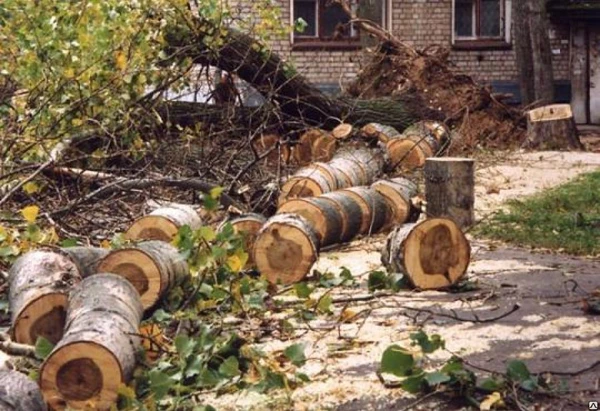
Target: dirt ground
{"x": 549, "y": 331}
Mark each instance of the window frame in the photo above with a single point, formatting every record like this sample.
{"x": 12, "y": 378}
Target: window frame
{"x": 300, "y": 42}
{"x": 478, "y": 42}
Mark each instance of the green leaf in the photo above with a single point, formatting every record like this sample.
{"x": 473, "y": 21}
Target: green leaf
{"x": 324, "y": 304}
{"x": 209, "y": 378}
{"x": 161, "y": 315}
{"x": 414, "y": 384}
{"x": 302, "y": 377}
{"x": 295, "y": 353}
{"x": 68, "y": 242}
{"x": 204, "y": 408}
{"x": 302, "y": 290}
{"x": 436, "y": 378}
{"x": 397, "y": 361}
{"x": 491, "y": 385}
{"x": 230, "y": 367}
{"x": 43, "y": 348}
{"x": 427, "y": 344}
{"x": 184, "y": 345}
{"x": 160, "y": 383}
{"x": 377, "y": 280}
{"x": 453, "y": 365}
{"x": 517, "y": 371}
{"x": 530, "y": 384}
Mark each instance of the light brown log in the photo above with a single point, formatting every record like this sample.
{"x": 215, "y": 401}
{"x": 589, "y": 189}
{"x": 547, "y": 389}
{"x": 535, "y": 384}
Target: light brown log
{"x": 164, "y": 223}
{"x": 436, "y": 129}
{"x": 370, "y": 161}
{"x": 308, "y": 182}
{"x": 380, "y": 132}
{"x": 432, "y": 254}
{"x": 153, "y": 267}
{"x": 397, "y": 192}
{"x": 450, "y": 189}
{"x": 278, "y": 152}
{"x": 324, "y": 148}
{"x": 412, "y": 149}
{"x": 19, "y": 393}
{"x": 98, "y": 350}
{"x": 350, "y": 211}
{"x": 325, "y": 219}
{"x": 374, "y": 208}
{"x": 342, "y": 131}
{"x": 286, "y": 248}
{"x": 349, "y": 172}
{"x": 330, "y": 173}
{"x": 248, "y": 225}
{"x": 552, "y": 128}
{"x": 86, "y": 258}
{"x": 303, "y": 150}
{"x": 39, "y": 283}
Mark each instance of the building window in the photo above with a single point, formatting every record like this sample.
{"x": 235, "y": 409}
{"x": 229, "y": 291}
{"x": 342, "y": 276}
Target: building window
{"x": 481, "y": 20}
{"x": 325, "y": 22}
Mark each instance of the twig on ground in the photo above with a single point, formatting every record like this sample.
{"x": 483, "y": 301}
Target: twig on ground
{"x": 13, "y": 348}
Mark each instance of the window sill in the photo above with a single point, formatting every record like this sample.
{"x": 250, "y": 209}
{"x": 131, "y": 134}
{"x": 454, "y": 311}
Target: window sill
{"x": 317, "y": 45}
{"x": 481, "y": 45}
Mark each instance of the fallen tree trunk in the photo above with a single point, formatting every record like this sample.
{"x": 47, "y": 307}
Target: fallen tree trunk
{"x": 98, "y": 351}
{"x": 18, "y": 393}
{"x": 164, "y": 223}
{"x": 294, "y": 96}
{"x": 39, "y": 283}
{"x": 248, "y": 225}
{"x": 285, "y": 249}
{"x": 374, "y": 208}
{"x": 398, "y": 192}
{"x": 325, "y": 218}
{"x": 153, "y": 267}
{"x": 432, "y": 254}
{"x": 350, "y": 210}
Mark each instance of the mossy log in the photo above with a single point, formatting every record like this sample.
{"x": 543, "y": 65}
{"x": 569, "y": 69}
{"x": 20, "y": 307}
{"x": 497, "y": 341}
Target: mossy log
{"x": 97, "y": 353}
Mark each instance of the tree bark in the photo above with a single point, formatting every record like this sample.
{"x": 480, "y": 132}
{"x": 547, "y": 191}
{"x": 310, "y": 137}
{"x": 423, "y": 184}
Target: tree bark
{"x": 18, "y": 392}
{"x": 552, "y": 128}
{"x": 164, "y": 223}
{"x": 523, "y": 53}
{"x": 541, "y": 51}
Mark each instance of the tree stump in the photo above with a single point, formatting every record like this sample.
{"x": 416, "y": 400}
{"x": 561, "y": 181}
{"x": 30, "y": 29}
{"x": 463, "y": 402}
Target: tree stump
{"x": 326, "y": 219}
{"x": 19, "y": 393}
{"x": 286, "y": 248}
{"x": 39, "y": 284}
{"x": 164, "y": 223}
{"x": 98, "y": 351}
{"x": 153, "y": 267}
{"x": 432, "y": 254}
{"x": 248, "y": 225}
{"x": 397, "y": 192}
{"x": 552, "y": 128}
{"x": 374, "y": 208}
{"x": 450, "y": 189}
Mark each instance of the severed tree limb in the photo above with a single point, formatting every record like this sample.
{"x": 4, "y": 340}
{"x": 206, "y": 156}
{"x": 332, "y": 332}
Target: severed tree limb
{"x": 12, "y": 348}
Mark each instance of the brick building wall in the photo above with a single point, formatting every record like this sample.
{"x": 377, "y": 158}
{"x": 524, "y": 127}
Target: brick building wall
{"x": 420, "y": 23}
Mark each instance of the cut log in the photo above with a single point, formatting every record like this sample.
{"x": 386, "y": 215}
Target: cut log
{"x": 325, "y": 218}
{"x": 432, "y": 254}
{"x": 342, "y": 131}
{"x": 98, "y": 351}
{"x": 164, "y": 223}
{"x": 86, "y": 258}
{"x": 308, "y": 182}
{"x": 39, "y": 283}
{"x": 374, "y": 208}
{"x": 438, "y": 130}
{"x": 278, "y": 152}
{"x": 153, "y": 267}
{"x": 19, "y": 393}
{"x": 303, "y": 150}
{"x": 324, "y": 148}
{"x": 330, "y": 173}
{"x": 450, "y": 189}
{"x": 286, "y": 248}
{"x": 397, "y": 192}
{"x": 552, "y": 128}
{"x": 371, "y": 162}
{"x": 380, "y": 132}
{"x": 411, "y": 151}
{"x": 349, "y": 172}
{"x": 248, "y": 225}
{"x": 350, "y": 211}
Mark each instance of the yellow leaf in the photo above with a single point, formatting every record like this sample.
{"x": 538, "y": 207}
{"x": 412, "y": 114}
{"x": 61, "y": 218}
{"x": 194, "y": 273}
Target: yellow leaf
{"x": 234, "y": 263}
{"x": 105, "y": 244}
{"x": 120, "y": 60}
{"x": 30, "y": 213}
{"x": 494, "y": 399}
{"x": 31, "y": 187}
{"x": 77, "y": 122}
{"x": 69, "y": 73}
{"x": 51, "y": 236}
{"x": 347, "y": 315}
{"x": 126, "y": 391}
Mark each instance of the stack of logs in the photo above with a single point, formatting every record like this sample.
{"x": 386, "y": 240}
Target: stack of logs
{"x": 89, "y": 301}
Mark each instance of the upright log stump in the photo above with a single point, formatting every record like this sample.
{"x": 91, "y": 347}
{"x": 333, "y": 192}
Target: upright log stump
{"x": 98, "y": 351}
{"x": 153, "y": 267}
{"x": 397, "y": 192}
{"x": 450, "y": 189}
{"x": 19, "y": 393}
{"x": 164, "y": 223}
{"x": 286, "y": 248}
{"x": 552, "y": 128}
{"x": 39, "y": 283}
{"x": 247, "y": 225}
{"x": 432, "y": 254}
